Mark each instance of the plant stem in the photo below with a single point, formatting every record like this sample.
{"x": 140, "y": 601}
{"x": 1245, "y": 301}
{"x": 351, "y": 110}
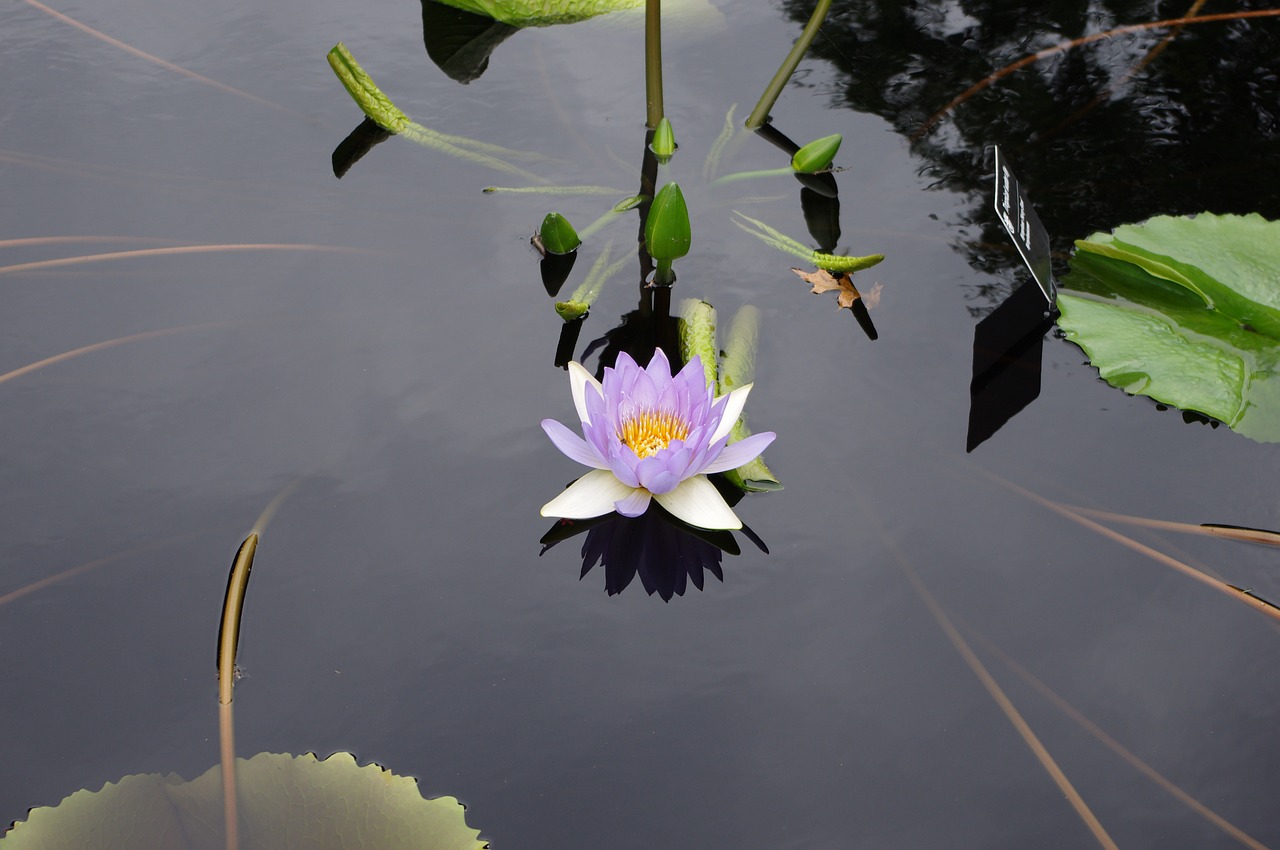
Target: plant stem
{"x": 788, "y": 67}
{"x": 653, "y": 62}
{"x": 664, "y": 275}
{"x": 751, "y": 175}
{"x": 228, "y": 638}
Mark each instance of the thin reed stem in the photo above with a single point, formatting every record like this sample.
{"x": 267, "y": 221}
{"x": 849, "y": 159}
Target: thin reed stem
{"x": 788, "y": 67}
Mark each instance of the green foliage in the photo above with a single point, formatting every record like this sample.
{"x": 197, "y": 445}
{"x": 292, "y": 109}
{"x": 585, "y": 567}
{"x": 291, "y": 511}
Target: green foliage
{"x": 284, "y": 801}
{"x": 831, "y": 262}
{"x": 735, "y": 368}
{"x": 1186, "y": 311}
{"x": 698, "y": 335}
{"x": 584, "y": 296}
{"x": 388, "y": 116}
{"x": 365, "y": 92}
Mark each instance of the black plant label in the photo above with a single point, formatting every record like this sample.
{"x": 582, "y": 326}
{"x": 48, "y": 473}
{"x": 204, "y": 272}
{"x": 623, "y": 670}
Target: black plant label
{"x": 1023, "y": 225}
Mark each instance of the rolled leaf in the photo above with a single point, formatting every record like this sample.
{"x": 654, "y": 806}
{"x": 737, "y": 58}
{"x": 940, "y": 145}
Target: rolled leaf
{"x": 698, "y": 335}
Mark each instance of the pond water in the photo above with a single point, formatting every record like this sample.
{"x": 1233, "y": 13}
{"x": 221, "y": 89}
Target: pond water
{"x": 387, "y": 363}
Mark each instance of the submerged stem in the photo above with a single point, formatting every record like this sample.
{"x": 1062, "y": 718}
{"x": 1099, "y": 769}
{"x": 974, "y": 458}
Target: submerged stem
{"x": 788, "y": 67}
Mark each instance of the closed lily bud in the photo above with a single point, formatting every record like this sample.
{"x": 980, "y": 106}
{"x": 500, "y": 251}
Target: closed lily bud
{"x": 558, "y": 235}
{"x": 666, "y": 232}
{"x": 817, "y": 155}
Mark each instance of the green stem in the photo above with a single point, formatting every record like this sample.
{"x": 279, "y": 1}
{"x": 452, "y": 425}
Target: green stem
{"x": 585, "y": 295}
{"x": 751, "y": 175}
{"x": 788, "y": 67}
{"x": 597, "y": 225}
{"x": 653, "y": 62}
{"x": 663, "y": 274}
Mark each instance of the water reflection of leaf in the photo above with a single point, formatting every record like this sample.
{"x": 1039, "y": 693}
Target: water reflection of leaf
{"x": 286, "y": 801}
{"x": 1186, "y": 311}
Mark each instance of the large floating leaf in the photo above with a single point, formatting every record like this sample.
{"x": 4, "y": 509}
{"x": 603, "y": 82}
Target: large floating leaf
{"x": 1186, "y": 311}
{"x": 285, "y": 802}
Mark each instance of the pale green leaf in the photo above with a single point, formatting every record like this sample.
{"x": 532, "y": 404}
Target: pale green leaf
{"x": 1185, "y": 311}
{"x": 286, "y": 803}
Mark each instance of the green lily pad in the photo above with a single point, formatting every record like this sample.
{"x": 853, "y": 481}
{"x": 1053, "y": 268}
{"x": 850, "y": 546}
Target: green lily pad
{"x": 1186, "y": 311}
{"x": 285, "y": 801}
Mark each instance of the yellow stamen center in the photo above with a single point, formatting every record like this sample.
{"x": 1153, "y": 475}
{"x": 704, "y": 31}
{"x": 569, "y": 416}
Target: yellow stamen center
{"x": 650, "y": 431}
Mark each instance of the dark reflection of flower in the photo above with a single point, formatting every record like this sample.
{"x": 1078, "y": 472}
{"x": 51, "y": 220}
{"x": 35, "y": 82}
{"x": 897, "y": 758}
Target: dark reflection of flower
{"x": 665, "y": 553}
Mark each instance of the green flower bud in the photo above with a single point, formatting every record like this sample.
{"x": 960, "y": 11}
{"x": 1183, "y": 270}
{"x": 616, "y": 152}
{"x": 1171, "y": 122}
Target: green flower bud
{"x": 817, "y": 155}
{"x": 666, "y": 231}
{"x": 558, "y": 235}
{"x": 664, "y": 141}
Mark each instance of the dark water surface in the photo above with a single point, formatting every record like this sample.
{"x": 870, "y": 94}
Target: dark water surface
{"x": 399, "y": 608}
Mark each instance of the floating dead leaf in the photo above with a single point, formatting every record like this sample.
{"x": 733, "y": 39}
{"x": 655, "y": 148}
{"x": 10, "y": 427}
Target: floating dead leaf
{"x": 823, "y": 281}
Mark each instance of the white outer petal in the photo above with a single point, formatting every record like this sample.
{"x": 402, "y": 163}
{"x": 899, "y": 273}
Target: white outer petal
{"x": 579, "y": 377}
{"x": 697, "y": 501}
{"x": 732, "y": 410}
{"x": 592, "y": 495}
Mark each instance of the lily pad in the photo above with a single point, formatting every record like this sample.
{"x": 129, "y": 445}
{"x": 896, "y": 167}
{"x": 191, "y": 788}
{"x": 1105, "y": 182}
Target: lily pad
{"x": 285, "y": 801}
{"x": 1186, "y": 311}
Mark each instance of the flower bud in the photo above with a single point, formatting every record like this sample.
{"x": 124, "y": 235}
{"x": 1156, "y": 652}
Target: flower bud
{"x": 664, "y": 141}
{"x": 558, "y": 235}
{"x": 666, "y": 231}
{"x": 817, "y": 155}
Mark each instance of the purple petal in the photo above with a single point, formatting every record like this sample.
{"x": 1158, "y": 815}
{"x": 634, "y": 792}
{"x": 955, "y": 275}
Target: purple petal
{"x": 679, "y": 459}
{"x": 597, "y": 411}
{"x": 636, "y": 503}
{"x": 623, "y": 463}
{"x": 597, "y": 434}
{"x": 641, "y": 395}
{"x": 659, "y": 368}
{"x": 743, "y": 451}
{"x": 655, "y": 476}
{"x": 572, "y": 446}
{"x": 580, "y": 381}
{"x": 624, "y": 362}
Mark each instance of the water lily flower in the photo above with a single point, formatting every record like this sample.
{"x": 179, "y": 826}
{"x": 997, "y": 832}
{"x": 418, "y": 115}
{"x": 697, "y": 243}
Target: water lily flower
{"x": 651, "y": 435}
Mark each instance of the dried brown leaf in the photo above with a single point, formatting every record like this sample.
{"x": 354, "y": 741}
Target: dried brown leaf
{"x": 823, "y": 281}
